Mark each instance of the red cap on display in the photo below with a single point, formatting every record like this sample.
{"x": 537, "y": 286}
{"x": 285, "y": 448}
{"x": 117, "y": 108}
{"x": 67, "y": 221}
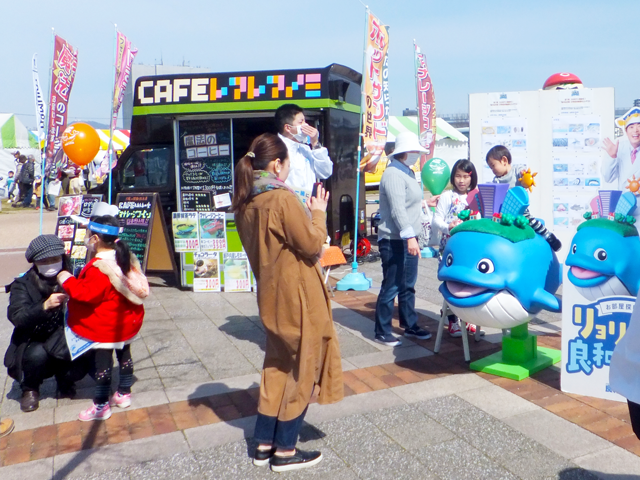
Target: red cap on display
{"x": 559, "y": 78}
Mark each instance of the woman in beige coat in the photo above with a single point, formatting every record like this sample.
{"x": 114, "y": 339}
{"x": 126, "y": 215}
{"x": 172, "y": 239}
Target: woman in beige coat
{"x": 283, "y": 239}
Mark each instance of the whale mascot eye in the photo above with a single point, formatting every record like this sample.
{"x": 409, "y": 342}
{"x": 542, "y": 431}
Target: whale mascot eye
{"x": 574, "y": 248}
{"x": 449, "y": 260}
{"x": 600, "y": 254}
{"x": 485, "y": 266}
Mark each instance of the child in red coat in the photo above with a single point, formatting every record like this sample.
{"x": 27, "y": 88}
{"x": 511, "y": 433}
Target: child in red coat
{"x": 105, "y": 306}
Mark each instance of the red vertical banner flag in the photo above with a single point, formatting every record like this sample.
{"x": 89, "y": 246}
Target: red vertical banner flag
{"x": 63, "y": 72}
{"x": 375, "y": 112}
{"x": 125, "y": 54}
{"x": 426, "y": 103}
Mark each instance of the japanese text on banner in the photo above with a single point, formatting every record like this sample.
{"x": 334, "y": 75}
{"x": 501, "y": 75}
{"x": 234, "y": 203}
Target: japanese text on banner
{"x": 65, "y": 63}
{"x": 376, "y": 94}
{"x": 426, "y": 104}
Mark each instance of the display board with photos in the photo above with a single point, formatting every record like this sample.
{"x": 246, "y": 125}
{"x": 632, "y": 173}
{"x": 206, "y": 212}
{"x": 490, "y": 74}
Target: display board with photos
{"x": 205, "y": 164}
{"x": 70, "y": 230}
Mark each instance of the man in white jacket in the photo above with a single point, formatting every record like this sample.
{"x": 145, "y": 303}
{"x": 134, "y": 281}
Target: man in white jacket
{"x": 624, "y": 161}
{"x": 309, "y": 160}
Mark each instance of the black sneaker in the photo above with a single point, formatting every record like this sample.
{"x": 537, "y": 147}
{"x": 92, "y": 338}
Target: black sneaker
{"x": 417, "y": 332}
{"x": 298, "y": 460}
{"x": 388, "y": 340}
{"x": 262, "y": 457}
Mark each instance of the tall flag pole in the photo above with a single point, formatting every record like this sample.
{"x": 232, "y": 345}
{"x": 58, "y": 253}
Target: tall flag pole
{"x": 374, "y": 117}
{"x": 124, "y": 55}
{"x": 41, "y": 115}
{"x": 426, "y": 106}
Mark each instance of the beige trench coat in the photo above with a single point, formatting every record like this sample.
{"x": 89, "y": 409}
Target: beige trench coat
{"x": 283, "y": 245}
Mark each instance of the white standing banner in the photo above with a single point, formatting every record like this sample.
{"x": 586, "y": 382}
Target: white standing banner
{"x": 41, "y": 107}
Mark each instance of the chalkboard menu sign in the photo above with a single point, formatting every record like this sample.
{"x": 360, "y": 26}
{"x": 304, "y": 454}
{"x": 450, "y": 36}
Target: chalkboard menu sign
{"x": 205, "y": 159}
{"x": 143, "y": 228}
{"x": 196, "y": 201}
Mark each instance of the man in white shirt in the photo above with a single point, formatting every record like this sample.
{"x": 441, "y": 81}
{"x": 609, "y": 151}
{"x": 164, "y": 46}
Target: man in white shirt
{"x": 309, "y": 160}
{"x": 624, "y": 153}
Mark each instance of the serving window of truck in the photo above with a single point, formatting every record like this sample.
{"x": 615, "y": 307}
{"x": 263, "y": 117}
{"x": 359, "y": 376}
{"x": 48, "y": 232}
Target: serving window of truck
{"x": 188, "y": 131}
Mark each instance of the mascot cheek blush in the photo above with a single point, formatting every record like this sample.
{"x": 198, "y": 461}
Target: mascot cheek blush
{"x": 498, "y": 275}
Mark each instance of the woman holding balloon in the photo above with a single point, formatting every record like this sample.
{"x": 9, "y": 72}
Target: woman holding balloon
{"x": 400, "y": 223}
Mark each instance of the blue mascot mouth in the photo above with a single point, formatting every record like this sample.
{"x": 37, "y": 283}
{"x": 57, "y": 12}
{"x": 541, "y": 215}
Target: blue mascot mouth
{"x": 584, "y": 278}
{"x": 465, "y": 295}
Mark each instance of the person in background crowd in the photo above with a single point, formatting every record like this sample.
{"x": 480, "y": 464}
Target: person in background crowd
{"x": 75, "y": 178}
{"x": 19, "y": 164}
{"x": 309, "y": 159}
{"x": 86, "y": 175}
{"x": 400, "y": 223}
{"x": 11, "y": 185}
{"x": 36, "y": 310}
{"x": 26, "y": 179}
{"x": 283, "y": 239}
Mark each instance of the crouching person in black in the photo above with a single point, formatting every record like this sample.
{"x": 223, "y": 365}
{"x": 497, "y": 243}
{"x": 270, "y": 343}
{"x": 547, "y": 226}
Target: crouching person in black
{"x": 38, "y": 347}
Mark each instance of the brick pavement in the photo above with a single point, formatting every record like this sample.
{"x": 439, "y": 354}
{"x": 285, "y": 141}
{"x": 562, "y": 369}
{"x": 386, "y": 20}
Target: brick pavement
{"x": 607, "y": 419}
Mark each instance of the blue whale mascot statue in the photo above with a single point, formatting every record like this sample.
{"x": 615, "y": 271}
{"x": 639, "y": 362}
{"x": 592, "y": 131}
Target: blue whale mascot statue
{"x": 499, "y": 274}
{"x": 605, "y": 253}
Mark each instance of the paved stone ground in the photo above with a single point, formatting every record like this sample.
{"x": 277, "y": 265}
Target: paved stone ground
{"x": 192, "y": 345}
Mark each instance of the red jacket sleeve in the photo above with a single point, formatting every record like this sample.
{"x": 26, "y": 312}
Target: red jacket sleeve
{"x": 91, "y": 288}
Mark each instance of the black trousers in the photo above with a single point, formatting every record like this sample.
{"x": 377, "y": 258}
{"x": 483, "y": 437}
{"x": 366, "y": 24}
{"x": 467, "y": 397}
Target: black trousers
{"x": 38, "y": 365}
{"x": 634, "y": 413}
{"x": 103, "y": 369}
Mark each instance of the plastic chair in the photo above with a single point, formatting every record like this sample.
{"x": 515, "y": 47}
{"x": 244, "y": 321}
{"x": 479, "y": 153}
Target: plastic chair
{"x": 331, "y": 257}
{"x": 446, "y": 311}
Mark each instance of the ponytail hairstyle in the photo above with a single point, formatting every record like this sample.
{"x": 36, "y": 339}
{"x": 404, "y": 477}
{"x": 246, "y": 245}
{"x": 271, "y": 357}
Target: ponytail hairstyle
{"x": 264, "y": 150}
{"x": 123, "y": 253}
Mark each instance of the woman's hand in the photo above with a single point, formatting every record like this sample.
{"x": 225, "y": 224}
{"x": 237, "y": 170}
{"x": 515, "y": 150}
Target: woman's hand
{"x": 319, "y": 202}
{"x": 433, "y": 201}
{"x": 63, "y": 276}
{"x": 413, "y": 247}
{"x": 454, "y": 223}
{"x": 55, "y": 300}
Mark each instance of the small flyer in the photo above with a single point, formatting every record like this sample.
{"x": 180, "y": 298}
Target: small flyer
{"x": 206, "y": 272}
{"x": 213, "y": 234}
{"x": 185, "y": 231}
{"x": 223, "y": 200}
{"x": 236, "y": 272}
{"x": 77, "y": 344}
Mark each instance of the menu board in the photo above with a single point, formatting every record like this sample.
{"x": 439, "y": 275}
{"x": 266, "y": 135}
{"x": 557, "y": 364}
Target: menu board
{"x": 185, "y": 231}
{"x": 213, "y": 234}
{"x": 236, "y": 272}
{"x": 143, "y": 228}
{"x": 71, "y": 231}
{"x": 205, "y": 163}
{"x": 206, "y": 272}
{"x": 196, "y": 201}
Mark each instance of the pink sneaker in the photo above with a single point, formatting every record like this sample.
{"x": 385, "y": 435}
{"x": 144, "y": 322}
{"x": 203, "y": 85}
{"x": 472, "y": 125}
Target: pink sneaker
{"x": 122, "y": 400}
{"x": 95, "y": 412}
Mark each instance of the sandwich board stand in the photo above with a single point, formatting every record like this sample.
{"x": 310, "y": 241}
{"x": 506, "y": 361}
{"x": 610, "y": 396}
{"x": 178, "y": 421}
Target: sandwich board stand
{"x": 144, "y": 230}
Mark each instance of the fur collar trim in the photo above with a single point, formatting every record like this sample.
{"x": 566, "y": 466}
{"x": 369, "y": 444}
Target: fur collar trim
{"x": 133, "y": 286}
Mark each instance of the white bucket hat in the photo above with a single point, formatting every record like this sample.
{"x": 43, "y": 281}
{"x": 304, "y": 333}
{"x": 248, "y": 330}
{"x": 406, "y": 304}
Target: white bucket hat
{"x": 407, "y": 142}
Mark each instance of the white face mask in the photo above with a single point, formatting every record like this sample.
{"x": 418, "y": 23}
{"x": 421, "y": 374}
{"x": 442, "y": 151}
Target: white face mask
{"x": 50, "y": 269}
{"x": 301, "y": 137}
{"x": 411, "y": 159}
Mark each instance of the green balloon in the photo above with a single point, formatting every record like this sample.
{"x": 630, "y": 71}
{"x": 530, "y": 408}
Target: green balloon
{"x": 435, "y": 175}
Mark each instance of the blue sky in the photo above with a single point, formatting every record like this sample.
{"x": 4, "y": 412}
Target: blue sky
{"x": 471, "y": 46}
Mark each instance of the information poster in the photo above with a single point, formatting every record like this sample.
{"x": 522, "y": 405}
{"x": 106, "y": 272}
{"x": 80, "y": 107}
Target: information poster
{"x": 206, "y": 272}
{"x": 185, "y": 231}
{"x": 206, "y": 163}
{"x": 213, "y": 234}
{"x": 510, "y": 132}
{"x": 236, "y": 272}
{"x": 72, "y": 232}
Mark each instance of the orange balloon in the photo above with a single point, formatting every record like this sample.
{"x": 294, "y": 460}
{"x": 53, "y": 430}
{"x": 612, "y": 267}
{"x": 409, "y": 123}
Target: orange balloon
{"x": 81, "y": 143}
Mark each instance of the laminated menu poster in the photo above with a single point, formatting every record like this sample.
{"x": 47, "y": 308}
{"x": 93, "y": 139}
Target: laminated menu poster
{"x": 185, "y": 231}
{"x": 236, "y": 272}
{"x": 206, "y": 272}
{"x": 213, "y": 234}
{"x": 205, "y": 163}
{"x": 196, "y": 201}
{"x": 143, "y": 228}
{"x": 71, "y": 231}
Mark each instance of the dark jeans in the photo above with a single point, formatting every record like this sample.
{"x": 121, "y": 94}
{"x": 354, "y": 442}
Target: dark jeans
{"x": 37, "y": 365}
{"x": 104, "y": 366}
{"x": 400, "y": 272}
{"x": 28, "y": 194}
{"x": 271, "y": 431}
{"x": 634, "y": 413}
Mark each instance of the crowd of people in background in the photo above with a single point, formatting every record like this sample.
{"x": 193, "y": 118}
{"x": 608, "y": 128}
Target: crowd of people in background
{"x": 24, "y": 186}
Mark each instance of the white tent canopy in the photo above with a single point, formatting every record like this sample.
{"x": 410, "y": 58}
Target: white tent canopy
{"x": 14, "y": 136}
